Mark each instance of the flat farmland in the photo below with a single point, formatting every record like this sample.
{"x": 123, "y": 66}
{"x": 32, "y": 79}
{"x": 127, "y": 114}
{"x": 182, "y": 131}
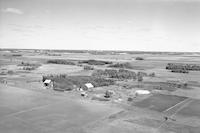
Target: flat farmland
{"x": 171, "y": 105}
{"x": 159, "y": 102}
{"x": 27, "y": 106}
{"x": 26, "y": 111}
{"x": 57, "y": 69}
{"x": 193, "y": 109}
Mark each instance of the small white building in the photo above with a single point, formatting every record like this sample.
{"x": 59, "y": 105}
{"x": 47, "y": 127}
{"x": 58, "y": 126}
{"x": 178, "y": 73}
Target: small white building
{"x": 142, "y": 92}
{"x": 48, "y": 83}
{"x": 89, "y": 85}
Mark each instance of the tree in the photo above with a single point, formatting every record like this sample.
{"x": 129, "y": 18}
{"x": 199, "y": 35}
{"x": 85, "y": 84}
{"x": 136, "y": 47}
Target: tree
{"x": 108, "y": 94}
{"x": 139, "y": 58}
{"x": 140, "y": 79}
{"x": 152, "y": 74}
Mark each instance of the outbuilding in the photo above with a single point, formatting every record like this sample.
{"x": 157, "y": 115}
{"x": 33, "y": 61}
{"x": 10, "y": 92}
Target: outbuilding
{"x": 89, "y": 85}
{"x": 48, "y": 83}
{"x": 142, "y": 92}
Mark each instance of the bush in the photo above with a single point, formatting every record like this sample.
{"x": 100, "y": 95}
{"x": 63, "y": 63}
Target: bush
{"x": 10, "y": 72}
{"x": 179, "y": 71}
{"x": 122, "y": 65}
{"x": 140, "y": 78}
{"x": 61, "y": 61}
{"x": 152, "y": 74}
{"x": 185, "y": 85}
{"x": 130, "y": 99}
{"x": 143, "y": 74}
{"x": 53, "y": 54}
{"x": 139, "y": 58}
{"x": 108, "y": 94}
{"x": 53, "y": 77}
{"x": 16, "y": 55}
{"x": 88, "y": 68}
{"x": 95, "y": 62}
{"x": 3, "y": 73}
{"x": 126, "y": 74}
{"x": 29, "y": 68}
{"x": 98, "y": 73}
{"x": 29, "y": 64}
{"x": 111, "y": 73}
{"x": 97, "y": 82}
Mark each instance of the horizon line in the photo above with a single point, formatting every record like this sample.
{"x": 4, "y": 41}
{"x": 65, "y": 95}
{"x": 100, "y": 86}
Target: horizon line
{"x": 148, "y": 51}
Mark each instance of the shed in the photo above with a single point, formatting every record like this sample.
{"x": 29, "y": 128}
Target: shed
{"x": 89, "y": 85}
{"x": 142, "y": 92}
{"x": 48, "y": 83}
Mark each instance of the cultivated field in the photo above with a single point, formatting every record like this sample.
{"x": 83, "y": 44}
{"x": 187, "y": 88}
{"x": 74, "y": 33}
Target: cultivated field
{"x": 45, "y": 91}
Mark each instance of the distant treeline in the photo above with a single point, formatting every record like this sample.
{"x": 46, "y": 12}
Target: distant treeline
{"x": 122, "y": 65}
{"x": 95, "y": 62}
{"x": 61, "y": 61}
{"x": 29, "y": 66}
{"x": 52, "y": 54}
{"x": 69, "y": 51}
{"x": 121, "y": 74}
{"x": 139, "y": 58}
{"x": 88, "y": 68}
{"x": 112, "y": 73}
{"x": 71, "y": 62}
{"x": 184, "y": 68}
{"x": 16, "y": 54}
{"x": 126, "y": 65}
{"x": 179, "y": 71}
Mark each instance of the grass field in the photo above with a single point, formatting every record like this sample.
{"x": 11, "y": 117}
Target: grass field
{"x": 27, "y": 106}
{"x": 193, "y": 109}
{"x": 159, "y": 102}
{"x": 26, "y": 111}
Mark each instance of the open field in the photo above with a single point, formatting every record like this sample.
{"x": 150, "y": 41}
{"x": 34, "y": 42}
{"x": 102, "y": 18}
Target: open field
{"x": 27, "y": 105}
{"x": 25, "y": 111}
{"x": 160, "y": 102}
{"x": 192, "y": 109}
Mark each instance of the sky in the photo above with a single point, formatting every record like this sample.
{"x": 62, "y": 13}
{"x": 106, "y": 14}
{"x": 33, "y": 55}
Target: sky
{"x": 144, "y": 25}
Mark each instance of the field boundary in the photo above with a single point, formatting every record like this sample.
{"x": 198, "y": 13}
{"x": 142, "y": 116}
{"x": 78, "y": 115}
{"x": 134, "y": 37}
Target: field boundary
{"x": 184, "y": 101}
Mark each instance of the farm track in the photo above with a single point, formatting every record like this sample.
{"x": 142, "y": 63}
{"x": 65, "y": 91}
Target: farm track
{"x": 177, "y": 106}
{"x": 172, "y": 111}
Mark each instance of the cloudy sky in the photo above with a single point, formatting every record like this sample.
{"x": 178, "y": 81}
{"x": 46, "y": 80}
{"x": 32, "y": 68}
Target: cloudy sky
{"x": 149, "y": 25}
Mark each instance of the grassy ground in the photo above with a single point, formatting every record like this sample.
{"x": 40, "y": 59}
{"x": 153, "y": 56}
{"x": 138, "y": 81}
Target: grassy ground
{"x": 159, "y": 102}
{"x": 192, "y": 109}
{"x": 23, "y": 111}
{"x": 36, "y": 109}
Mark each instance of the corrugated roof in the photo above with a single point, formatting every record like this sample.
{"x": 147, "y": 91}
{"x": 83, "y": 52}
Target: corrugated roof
{"x": 47, "y": 81}
{"x": 142, "y": 92}
{"x": 89, "y": 85}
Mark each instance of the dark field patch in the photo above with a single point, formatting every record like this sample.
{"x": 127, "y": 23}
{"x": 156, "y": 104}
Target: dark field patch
{"x": 159, "y": 102}
{"x": 193, "y": 109}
